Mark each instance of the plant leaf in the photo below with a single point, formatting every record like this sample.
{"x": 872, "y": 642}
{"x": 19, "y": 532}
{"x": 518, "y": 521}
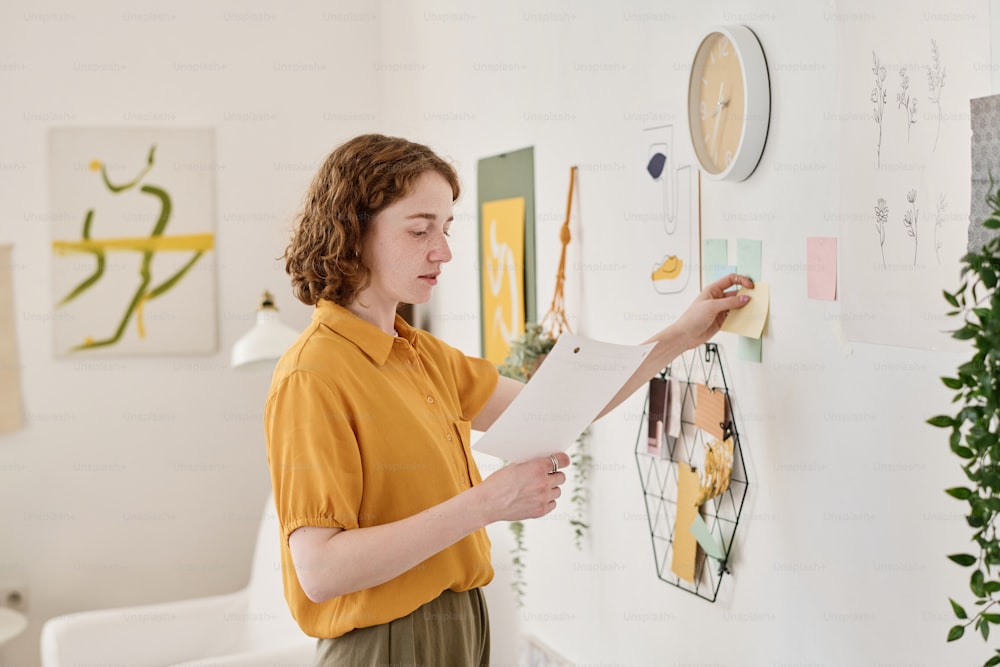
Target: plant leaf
{"x": 956, "y": 632}
{"x": 950, "y": 298}
{"x": 966, "y": 332}
{"x": 957, "y": 608}
{"x": 944, "y": 421}
{"x": 964, "y": 453}
{"x": 988, "y": 276}
{"x": 965, "y": 560}
{"x": 976, "y": 583}
{"x": 959, "y": 492}
{"x": 992, "y": 662}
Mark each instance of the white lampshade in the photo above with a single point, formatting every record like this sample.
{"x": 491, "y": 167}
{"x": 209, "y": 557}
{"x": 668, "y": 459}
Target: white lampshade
{"x": 268, "y": 339}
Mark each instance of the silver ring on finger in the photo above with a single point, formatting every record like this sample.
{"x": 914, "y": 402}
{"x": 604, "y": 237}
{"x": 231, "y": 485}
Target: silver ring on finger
{"x": 555, "y": 463}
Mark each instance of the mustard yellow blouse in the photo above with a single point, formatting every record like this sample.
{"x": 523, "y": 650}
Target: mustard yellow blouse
{"x": 362, "y": 429}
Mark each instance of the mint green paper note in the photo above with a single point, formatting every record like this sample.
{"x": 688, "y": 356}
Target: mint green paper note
{"x": 722, "y": 271}
{"x": 714, "y": 256}
{"x": 748, "y": 262}
{"x": 705, "y": 538}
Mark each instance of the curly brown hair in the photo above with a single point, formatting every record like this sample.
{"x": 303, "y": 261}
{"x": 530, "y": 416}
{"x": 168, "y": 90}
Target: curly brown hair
{"x": 360, "y": 178}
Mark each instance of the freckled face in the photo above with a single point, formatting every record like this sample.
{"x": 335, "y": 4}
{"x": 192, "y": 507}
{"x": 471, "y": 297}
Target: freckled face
{"x": 407, "y": 244}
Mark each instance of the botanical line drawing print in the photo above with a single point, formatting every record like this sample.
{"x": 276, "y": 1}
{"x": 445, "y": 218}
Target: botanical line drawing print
{"x": 903, "y": 99}
{"x": 878, "y": 98}
{"x": 938, "y": 222}
{"x": 881, "y": 218}
{"x": 935, "y": 81}
{"x": 910, "y": 221}
{"x": 198, "y": 244}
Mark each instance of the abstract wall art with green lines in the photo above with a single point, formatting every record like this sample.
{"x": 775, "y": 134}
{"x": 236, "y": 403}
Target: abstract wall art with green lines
{"x": 132, "y": 213}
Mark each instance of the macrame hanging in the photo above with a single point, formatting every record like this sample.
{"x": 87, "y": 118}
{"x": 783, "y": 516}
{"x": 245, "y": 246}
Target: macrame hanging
{"x": 555, "y": 321}
{"x": 525, "y": 355}
{"x": 529, "y": 349}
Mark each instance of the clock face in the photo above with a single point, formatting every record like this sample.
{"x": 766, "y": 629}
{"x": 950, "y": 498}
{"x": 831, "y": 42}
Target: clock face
{"x": 716, "y": 103}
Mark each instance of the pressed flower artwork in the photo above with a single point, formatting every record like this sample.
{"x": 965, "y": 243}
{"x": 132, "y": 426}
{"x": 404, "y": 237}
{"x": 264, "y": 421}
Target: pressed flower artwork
{"x": 903, "y": 165}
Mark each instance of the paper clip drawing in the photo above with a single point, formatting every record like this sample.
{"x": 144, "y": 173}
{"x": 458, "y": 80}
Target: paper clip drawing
{"x": 676, "y": 189}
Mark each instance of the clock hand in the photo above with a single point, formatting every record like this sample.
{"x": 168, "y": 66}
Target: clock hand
{"x": 722, "y": 104}
{"x": 718, "y": 117}
{"x": 719, "y": 107}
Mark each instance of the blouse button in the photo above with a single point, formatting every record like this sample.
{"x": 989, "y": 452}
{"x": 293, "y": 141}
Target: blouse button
{"x": 449, "y": 437}
{"x": 430, "y": 399}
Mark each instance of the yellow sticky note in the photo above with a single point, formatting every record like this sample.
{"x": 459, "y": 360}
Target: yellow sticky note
{"x": 685, "y": 558}
{"x": 750, "y": 319}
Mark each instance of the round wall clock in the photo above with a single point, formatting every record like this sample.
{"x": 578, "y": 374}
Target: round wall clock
{"x": 729, "y": 103}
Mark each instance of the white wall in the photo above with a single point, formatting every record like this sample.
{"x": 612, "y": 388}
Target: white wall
{"x": 842, "y": 543}
{"x": 841, "y": 549}
{"x": 139, "y": 480}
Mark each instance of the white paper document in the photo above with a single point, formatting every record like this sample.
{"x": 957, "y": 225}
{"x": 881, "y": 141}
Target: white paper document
{"x": 578, "y": 378}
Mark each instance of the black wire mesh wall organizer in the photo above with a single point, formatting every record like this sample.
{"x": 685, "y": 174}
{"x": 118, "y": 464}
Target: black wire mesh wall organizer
{"x": 659, "y": 469}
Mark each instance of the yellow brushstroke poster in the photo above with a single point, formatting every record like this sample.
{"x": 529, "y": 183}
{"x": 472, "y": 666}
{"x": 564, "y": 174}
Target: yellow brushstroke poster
{"x": 11, "y": 412}
{"x": 502, "y": 252}
{"x": 133, "y": 269}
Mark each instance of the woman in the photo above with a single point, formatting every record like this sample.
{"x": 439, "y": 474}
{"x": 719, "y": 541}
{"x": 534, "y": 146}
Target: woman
{"x": 382, "y": 508}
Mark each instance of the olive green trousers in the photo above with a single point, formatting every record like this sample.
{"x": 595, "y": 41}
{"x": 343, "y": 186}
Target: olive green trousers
{"x": 450, "y": 631}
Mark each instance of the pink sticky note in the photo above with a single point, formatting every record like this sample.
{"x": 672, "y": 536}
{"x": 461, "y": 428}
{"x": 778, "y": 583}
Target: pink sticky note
{"x": 821, "y": 260}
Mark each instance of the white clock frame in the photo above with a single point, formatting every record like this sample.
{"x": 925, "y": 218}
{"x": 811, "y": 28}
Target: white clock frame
{"x": 757, "y": 104}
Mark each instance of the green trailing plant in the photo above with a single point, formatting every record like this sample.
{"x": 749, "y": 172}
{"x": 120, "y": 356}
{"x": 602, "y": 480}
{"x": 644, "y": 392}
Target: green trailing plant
{"x": 517, "y": 561}
{"x": 581, "y": 462}
{"x": 527, "y": 351}
{"x": 975, "y": 429}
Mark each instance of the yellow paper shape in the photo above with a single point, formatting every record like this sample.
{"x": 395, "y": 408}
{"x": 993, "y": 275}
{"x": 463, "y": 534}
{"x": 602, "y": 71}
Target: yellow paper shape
{"x": 717, "y": 470}
{"x": 670, "y": 269}
{"x": 685, "y": 544}
{"x": 503, "y": 280}
{"x": 750, "y": 319}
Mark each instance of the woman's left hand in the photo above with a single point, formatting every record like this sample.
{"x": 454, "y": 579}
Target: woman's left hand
{"x": 704, "y": 317}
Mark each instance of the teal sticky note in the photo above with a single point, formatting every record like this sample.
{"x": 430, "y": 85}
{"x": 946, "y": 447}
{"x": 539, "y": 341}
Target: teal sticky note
{"x": 748, "y": 258}
{"x": 749, "y": 349}
{"x": 714, "y": 254}
{"x": 748, "y": 263}
{"x": 705, "y": 538}
{"x": 723, "y": 270}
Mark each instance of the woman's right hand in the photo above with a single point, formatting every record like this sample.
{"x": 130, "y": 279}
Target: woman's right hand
{"x": 330, "y": 562}
{"x": 526, "y": 490}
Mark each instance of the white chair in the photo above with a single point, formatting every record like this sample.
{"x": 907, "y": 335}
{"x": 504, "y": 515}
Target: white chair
{"x": 249, "y": 628}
